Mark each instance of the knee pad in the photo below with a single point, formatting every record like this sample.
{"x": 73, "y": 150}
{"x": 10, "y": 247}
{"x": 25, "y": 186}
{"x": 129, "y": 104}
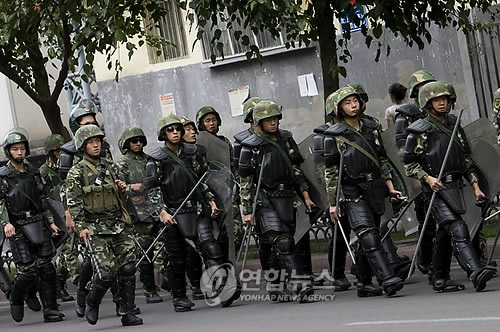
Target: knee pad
{"x": 45, "y": 250}
{"x": 360, "y": 215}
{"x": 369, "y": 239}
{"x": 285, "y": 244}
{"x": 47, "y": 271}
{"x": 128, "y": 269}
{"x": 459, "y": 231}
{"x": 205, "y": 232}
{"x": 212, "y": 250}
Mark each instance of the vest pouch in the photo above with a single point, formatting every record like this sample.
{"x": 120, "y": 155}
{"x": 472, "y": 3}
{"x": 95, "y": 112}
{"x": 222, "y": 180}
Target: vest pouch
{"x": 375, "y": 192}
{"x": 110, "y": 202}
{"x": 282, "y": 201}
{"x": 33, "y": 229}
{"x": 453, "y": 195}
{"x": 188, "y": 224}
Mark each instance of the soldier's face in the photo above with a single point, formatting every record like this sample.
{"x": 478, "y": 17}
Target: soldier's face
{"x": 93, "y": 147}
{"x": 270, "y": 125}
{"x": 136, "y": 144}
{"x": 190, "y": 134}
{"x": 174, "y": 133}
{"x": 57, "y": 153}
{"x": 210, "y": 122}
{"x": 86, "y": 120}
{"x": 350, "y": 105}
{"x": 18, "y": 151}
{"x": 440, "y": 104}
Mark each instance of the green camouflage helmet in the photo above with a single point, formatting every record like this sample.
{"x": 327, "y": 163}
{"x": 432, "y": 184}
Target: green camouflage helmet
{"x": 451, "y": 88}
{"x": 77, "y": 113}
{"x": 86, "y": 132}
{"x": 13, "y": 137}
{"x": 248, "y": 107}
{"x": 53, "y": 142}
{"x": 204, "y": 111}
{"x": 432, "y": 90}
{"x": 165, "y": 121}
{"x": 420, "y": 76}
{"x": 361, "y": 91}
{"x": 333, "y": 101}
{"x": 264, "y": 110}
{"x": 187, "y": 121}
{"x": 128, "y": 134}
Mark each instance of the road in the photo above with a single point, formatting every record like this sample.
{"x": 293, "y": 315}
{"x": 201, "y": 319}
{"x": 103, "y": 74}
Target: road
{"x": 416, "y": 308}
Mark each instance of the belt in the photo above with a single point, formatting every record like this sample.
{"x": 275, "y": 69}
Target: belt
{"x": 449, "y": 178}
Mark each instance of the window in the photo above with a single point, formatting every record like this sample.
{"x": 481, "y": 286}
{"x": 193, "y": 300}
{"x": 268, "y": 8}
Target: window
{"x": 171, "y": 27}
{"x": 233, "y": 47}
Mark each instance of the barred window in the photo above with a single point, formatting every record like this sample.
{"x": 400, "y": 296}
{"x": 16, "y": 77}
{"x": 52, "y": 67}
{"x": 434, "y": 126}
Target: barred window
{"x": 171, "y": 27}
{"x": 233, "y": 47}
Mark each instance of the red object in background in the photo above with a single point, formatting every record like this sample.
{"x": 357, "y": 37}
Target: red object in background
{"x": 352, "y": 2}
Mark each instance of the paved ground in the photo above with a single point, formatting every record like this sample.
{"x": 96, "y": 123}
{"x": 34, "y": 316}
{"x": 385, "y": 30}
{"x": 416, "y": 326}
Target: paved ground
{"x": 416, "y": 308}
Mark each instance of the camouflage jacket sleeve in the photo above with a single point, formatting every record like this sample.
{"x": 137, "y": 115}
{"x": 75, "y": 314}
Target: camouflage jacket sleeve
{"x": 331, "y": 181}
{"x": 46, "y": 179}
{"x": 201, "y": 166}
{"x": 45, "y": 206}
{"x": 385, "y": 165}
{"x": 300, "y": 181}
{"x": 75, "y": 196}
{"x": 471, "y": 174}
{"x": 414, "y": 169}
{"x": 495, "y": 118}
{"x": 247, "y": 187}
{"x": 4, "y": 215}
{"x": 155, "y": 193}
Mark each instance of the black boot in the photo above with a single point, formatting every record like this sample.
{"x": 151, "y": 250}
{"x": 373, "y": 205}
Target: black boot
{"x": 19, "y": 286}
{"x": 62, "y": 294}
{"x": 81, "y": 295}
{"x": 31, "y": 299}
{"x": 84, "y": 277}
{"x": 99, "y": 289}
{"x": 480, "y": 277}
{"x": 127, "y": 291}
{"x": 182, "y": 303}
{"x": 368, "y": 290}
{"x": 51, "y": 313}
{"x": 341, "y": 284}
{"x": 5, "y": 283}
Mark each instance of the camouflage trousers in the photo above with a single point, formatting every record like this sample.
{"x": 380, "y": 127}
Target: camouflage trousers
{"x": 68, "y": 263}
{"x": 114, "y": 251}
{"x": 239, "y": 230}
{"x": 145, "y": 233}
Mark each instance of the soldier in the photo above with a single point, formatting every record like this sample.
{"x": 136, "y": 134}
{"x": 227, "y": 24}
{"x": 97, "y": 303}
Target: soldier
{"x": 94, "y": 196}
{"x": 366, "y": 180}
{"x": 28, "y": 225}
{"x": 209, "y": 120}
{"x": 174, "y": 169}
{"x": 405, "y": 116}
{"x": 5, "y": 284}
{"x": 68, "y": 265}
{"x": 130, "y": 170}
{"x": 277, "y": 153}
{"x": 425, "y": 148}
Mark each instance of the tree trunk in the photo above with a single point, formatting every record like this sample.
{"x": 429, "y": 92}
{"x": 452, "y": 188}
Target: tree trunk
{"x": 52, "y": 114}
{"x": 327, "y": 45}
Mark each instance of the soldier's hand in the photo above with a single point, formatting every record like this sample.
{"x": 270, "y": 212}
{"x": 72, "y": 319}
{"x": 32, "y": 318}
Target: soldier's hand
{"x": 434, "y": 183}
{"x": 70, "y": 224}
{"x": 334, "y": 213}
{"x": 137, "y": 187}
{"x": 122, "y": 186}
{"x": 215, "y": 211}
{"x": 55, "y": 230}
{"x": 85, "y": 235}
{"x": 9, "y": 230}
{"x": 248, "y": 219}
{"x": 395, "y": 196}
{"x": 166, "y": 218}
{"x": 309, "y": 204}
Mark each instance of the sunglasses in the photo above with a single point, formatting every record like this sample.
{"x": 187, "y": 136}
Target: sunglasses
{"x": 172, "y": 128}
{"x": 136, "y": 140}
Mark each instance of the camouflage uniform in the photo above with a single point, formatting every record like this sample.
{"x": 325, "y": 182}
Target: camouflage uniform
{"x": 364, "y": 189}
{"x": 425, "y": 148}
{"x": 495, "y": 117}
{"x": 68, "y": 265}
{"x": 23, "y": 205}
{"x": 142, "y": 211}
{"x": 96, "y": 204}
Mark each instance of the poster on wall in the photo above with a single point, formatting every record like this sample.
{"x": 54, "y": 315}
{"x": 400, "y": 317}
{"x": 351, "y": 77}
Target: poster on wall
{"x": 236, "y": 98}
{"x": 167, "y": 104}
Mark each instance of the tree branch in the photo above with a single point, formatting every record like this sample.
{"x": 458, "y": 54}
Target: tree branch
{"x": 68, "y": 52}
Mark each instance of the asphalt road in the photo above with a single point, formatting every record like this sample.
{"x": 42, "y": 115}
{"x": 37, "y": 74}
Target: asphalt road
{"x": 416, "y": 308}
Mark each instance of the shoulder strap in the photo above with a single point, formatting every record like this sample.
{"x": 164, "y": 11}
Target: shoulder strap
{"x": 371, "y": 155}
{"x": 22, "y": 192}
{"x": 5, "y": 171}
{"x": 440, "y": 126}
{"x": 359, "y": 148}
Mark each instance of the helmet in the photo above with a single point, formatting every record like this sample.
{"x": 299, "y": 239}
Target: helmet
{"x": 13, "y": 137}
{"x": 187, "y": 121}
{"x": 53, "y": 142}
{"x": 264, "y": 110}
{"x": 77, "y": 113}
{"x": 333, "y": 101}
{"x": 86, "y": 132}
{"x": 451, "y": 89}
{"x": 204, "y": 111}
{"x": 420, "y": 76}
{"x": 360, "y": 90}
{"x": 248, "y": 107}
{"x": 496, "y": 102}
{"x": 167, "y": 120}
{"x": 432, "y": 90}
{"x": 128, "y": 134}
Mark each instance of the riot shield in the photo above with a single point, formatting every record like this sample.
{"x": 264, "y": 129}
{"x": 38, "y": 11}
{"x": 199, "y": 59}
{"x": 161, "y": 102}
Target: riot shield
{"x": 219, "y": 153}
{"x": 314, "y": 174}
{"x": 139, "y": 205}
{"x": 57, "y": 209}
{"x": 486, "y": 157}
